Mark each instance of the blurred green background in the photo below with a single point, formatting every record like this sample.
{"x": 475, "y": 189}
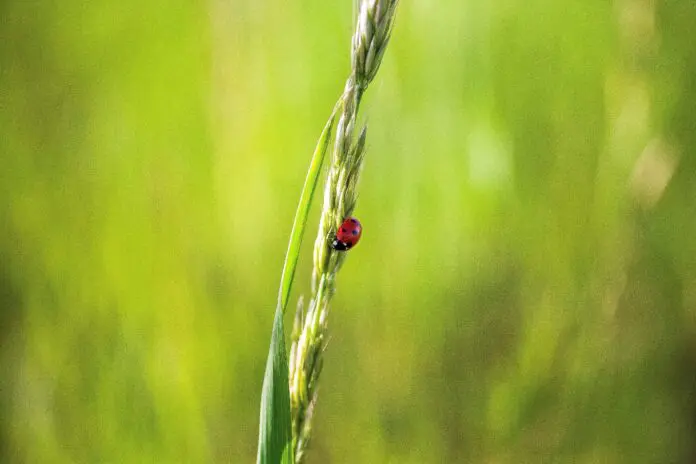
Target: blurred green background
{"x": 525, "y": 289}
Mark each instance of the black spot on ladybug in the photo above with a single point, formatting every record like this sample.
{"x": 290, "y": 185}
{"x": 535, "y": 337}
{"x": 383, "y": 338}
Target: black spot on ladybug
{"x": 343, "y": 229}
{"x": 355, "y": 232}
{"x": 353, "y": 220}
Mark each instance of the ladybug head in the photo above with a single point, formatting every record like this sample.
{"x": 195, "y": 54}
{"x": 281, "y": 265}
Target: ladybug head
{"x": 339, "y": 245}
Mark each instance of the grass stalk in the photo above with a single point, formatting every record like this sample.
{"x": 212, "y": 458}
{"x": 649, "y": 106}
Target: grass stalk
{"x": 370, "y": 39}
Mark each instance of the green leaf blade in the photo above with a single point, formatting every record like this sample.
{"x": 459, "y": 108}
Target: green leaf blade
{"x": 300, "y": 221}
{"x": 275, "y": 427}
{"x": 275, "y": 434}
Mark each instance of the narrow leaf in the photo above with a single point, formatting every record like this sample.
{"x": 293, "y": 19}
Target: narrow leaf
{"x": 298, "y": 225}
{"x": 275, "y": 436}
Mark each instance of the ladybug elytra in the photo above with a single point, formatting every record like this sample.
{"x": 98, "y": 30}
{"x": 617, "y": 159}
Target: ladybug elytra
{"x": 347, "y": 235}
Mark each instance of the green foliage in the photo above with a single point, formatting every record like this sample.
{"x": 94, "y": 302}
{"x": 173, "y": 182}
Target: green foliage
{"x": 275, "y": 436}
{"x": 292, "y": 256}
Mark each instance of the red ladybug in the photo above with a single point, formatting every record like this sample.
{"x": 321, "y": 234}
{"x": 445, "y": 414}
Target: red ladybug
{"x": 347, "y": 235}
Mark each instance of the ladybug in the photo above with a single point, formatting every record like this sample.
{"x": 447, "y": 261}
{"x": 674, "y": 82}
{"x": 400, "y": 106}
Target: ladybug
{"x": 347, "y": 235}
